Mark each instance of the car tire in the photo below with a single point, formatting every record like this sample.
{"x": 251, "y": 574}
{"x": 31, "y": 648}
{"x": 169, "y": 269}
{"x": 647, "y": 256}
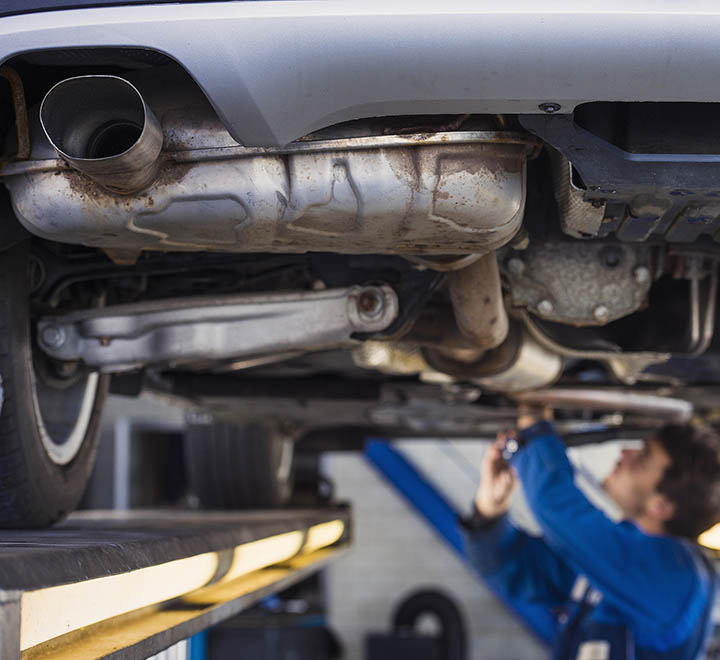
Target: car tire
{"x": 452, "y": 638}
{"x": 48, "y": 429}
{"x": 239, "y": 466}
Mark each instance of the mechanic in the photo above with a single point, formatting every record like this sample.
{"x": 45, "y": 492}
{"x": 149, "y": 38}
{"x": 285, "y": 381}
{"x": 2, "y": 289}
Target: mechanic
{"x": 640, "y": 588}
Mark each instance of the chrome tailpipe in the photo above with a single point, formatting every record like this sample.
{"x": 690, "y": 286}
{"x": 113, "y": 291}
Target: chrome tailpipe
{"x": 102, "y": 126}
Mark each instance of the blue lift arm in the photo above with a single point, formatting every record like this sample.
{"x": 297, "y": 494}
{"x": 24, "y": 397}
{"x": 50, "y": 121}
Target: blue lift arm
{"x": 427, "y": 500}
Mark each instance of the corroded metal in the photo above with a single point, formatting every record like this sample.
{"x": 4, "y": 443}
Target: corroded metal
{"x": 627, "y": 367}
{"x": 519, "y": 363}
{"x": 583, "y": 284}
{"x": 22, "y": 124}
{"x": 533, "y": 366}
{"x": 456, "y": 193}
{"x": 476, "y": 296}
{"x": 578, "y": 218}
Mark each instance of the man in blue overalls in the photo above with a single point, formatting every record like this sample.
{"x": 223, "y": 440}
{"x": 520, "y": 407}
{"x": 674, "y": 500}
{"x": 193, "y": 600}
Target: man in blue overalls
{"x": 638, "y": 589}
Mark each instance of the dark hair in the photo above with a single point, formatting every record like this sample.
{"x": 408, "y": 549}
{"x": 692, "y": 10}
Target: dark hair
{"x": 692, "y": 481}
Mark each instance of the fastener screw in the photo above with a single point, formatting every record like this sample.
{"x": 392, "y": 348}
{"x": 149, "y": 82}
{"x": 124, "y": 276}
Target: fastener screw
{"x": 545, "y": 307}
{"x": 641, "y": 274}
{"x": 520, "y": 241}
{"x": 370, "y": 303}
{"x": 549, "y": 107}
{"x": 52, "y": 336}
{"x": 516, "y": 266}
{"x": 601, "y": 313}
{"x": 611, "y": 256}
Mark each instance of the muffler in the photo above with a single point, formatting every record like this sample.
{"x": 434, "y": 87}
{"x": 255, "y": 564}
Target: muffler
{"x": 342, "y": 190}
{"x": 102, "y": 126}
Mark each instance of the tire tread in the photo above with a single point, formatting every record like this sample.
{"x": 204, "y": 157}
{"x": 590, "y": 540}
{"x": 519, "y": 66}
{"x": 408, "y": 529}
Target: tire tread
{"x": 231, "y": 466}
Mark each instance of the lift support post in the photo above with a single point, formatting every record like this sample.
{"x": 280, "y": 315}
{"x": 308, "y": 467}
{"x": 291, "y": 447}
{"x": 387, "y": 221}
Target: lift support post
{"x": 130, "y": 584}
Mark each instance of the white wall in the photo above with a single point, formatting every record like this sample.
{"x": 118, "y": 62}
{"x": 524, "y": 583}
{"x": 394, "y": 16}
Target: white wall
{"x": 395, "y": 552}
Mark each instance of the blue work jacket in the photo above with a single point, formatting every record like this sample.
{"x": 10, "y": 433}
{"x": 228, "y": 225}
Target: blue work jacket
{"x": 617, "y": 593}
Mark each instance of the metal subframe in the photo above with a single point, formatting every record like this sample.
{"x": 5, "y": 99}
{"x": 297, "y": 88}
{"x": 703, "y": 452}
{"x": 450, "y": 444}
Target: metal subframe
{"x": 91, "y": 545}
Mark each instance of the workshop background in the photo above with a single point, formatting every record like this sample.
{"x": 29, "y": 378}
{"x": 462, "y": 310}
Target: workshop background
{"x": 395, "y": 552}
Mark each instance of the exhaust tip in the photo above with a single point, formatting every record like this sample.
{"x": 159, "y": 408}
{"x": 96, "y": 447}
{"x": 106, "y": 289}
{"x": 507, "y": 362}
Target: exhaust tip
{"x": 102, "y": 126}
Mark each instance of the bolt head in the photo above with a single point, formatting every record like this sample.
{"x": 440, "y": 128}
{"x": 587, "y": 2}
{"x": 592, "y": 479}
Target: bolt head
{"x": 611, "y": 256}
{"x": 641, "y": 274}
{"x": 370, "y": 303}
{"x": 550, "y": 108}
{"x": 545, "y": 307}
{"x": 516, "y": 266}
{"x": 601, "y": 313}
{"x": 520, "y": 241}
{"x": 53, "y": 336}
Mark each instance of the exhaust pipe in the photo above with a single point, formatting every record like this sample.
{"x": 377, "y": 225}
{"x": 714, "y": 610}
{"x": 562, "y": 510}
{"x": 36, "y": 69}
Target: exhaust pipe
{"x": 476, "y": 296}
{"x": 664, "y": 408}
{"x": 102, "y": 126}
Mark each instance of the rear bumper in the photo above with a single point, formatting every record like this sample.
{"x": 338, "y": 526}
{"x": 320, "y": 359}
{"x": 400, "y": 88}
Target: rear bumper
{"x": 277, "y": 70}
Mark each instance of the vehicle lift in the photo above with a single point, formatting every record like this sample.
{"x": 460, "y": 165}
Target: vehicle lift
{"x": 129, "y": 584}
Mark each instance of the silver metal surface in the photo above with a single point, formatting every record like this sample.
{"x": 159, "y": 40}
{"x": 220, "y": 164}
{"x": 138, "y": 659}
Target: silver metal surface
{"x": 601, "y": 314}
{"x": 448, "y": 193}
{"x": 579, "y": 283}
{"x": 333, "y": 65}
{"x": 477, "y": 300}
{"x": 530, "y": 366}
{"x": 182, "y": 330}
{"x": 667, "y": 408}
{"x": 102, "y": 126}
{"x": 702, "y": 310}
{"x": 545, "y": 307}
{"x": 443, "y": 263}
{"x": 641, "y": 274}
{"x": 533, "y": 366}
{"x": 627, "y": 367}
{"x": 394, "y": 358}
{"x": 578, "y": 218}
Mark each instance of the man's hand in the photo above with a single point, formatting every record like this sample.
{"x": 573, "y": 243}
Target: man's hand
{"x": 527, "y": 416}
{"x": 497, "y": 481}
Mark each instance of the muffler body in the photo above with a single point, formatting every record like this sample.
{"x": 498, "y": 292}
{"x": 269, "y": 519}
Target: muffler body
{"x": 440, "y": 193}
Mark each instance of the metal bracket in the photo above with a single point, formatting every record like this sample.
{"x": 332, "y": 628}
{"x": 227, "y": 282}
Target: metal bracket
{"x": 635, "y": 194}
{"x": 603, "y": 165}
{"x": 583, "y": 284}
{"x": 10, "y": 619}
{"x": 124, "y": 337}
{"x": 627, "y": 367}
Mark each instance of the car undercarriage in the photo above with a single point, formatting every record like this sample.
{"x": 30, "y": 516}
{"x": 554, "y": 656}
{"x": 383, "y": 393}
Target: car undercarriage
{"x": 407, "y": 273}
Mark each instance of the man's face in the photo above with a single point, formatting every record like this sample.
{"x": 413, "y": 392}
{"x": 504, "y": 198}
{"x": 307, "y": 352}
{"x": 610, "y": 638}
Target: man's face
{"x": 636, "y": 477}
